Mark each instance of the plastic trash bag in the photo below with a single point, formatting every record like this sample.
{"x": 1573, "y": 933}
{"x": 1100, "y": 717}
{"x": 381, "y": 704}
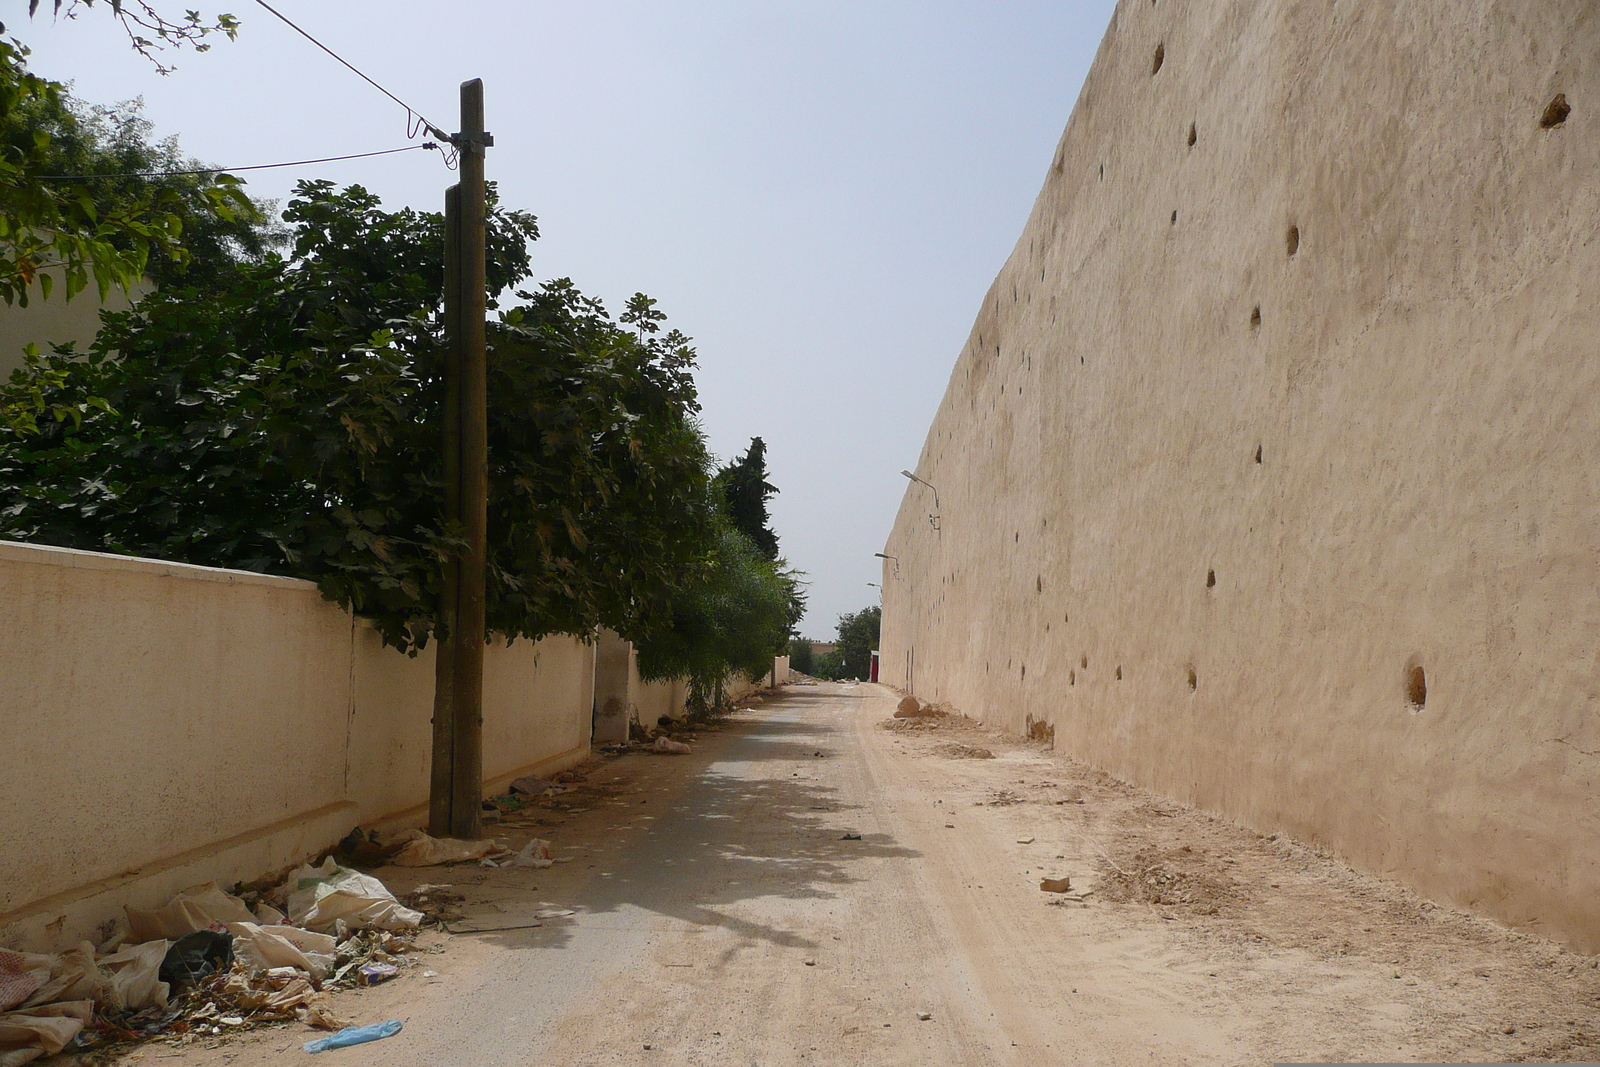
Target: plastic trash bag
{"x": 420, "y": 850}
{"x": 318, "y": 897}
{"x": 261, "y": 948}
{"x": 355, "y": 1035}
{"x": 196, "y": 908}
{"x": 197, "y": 955}
{"x": 668, "y": 745}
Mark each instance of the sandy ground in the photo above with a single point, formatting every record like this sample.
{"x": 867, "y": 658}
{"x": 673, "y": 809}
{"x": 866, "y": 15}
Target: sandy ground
{"x": 720, "y": 917}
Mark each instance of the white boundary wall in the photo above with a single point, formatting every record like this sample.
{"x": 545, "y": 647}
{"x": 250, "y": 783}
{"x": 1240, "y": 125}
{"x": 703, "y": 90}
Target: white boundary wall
{"x": 163, "y": 724}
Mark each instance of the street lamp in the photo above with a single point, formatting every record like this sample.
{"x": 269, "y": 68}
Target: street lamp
{"x": 893, "y": 559}
{"x": 924, "y": 481}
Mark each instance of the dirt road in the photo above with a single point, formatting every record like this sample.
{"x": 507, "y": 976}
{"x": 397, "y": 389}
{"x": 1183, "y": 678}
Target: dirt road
{"x": 720, "y": 916}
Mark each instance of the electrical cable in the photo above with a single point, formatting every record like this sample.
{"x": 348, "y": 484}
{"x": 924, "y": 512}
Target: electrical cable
{"x": 229, "y": 170}
{"x": 410, "y": 111}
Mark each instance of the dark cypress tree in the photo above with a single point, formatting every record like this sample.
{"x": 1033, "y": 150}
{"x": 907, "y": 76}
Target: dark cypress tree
{"x": 745, "y": 489}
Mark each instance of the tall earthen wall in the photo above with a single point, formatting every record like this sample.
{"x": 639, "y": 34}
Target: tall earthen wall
{"x": 1270, "y": 473}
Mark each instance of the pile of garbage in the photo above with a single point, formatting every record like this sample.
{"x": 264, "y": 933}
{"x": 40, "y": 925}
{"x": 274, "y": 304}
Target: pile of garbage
{"x": 208, "y": 962}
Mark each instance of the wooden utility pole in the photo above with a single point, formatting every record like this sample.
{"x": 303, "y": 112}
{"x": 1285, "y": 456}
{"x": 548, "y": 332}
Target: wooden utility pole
{"x": 441, "y": 793}
{"x": 455, "y": 801}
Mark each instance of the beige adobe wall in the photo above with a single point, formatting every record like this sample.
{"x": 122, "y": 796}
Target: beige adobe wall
{"x": 1422, "y": 388}
{"x": 56, "y": 321}
{"x": 164, "y": 724}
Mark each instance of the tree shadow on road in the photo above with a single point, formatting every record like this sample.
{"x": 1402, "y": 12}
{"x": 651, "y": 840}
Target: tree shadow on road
{"x": 743, "y": 826}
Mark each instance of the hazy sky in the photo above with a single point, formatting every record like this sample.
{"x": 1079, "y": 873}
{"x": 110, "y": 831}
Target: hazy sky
{"x": 818, "y": 193}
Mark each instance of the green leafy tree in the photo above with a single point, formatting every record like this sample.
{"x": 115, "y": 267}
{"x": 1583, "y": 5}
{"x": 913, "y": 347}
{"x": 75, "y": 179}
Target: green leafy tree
{"x": 77, "y": 230}
{"x": 858, "y": 636}
{"x": 744, "y": 489}
{"x": 734, "y": 619}
{"x": 800, "y": 656}
{"x": 286, "y": 419}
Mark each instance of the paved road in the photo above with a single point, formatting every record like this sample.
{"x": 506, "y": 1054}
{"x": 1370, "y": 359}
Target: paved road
{"x": 720, "y": 917}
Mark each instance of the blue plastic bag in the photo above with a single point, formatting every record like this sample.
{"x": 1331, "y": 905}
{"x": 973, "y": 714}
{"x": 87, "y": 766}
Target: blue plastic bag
{"x": 355, "y": 1035}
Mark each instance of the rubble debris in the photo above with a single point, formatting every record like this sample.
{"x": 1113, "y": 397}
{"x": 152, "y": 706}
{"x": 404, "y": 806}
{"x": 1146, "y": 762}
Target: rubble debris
{"x": 851, "y": 837}
{"x": 1024, "y": 840}
{"x": 908, "y": 708}
{"x": 965, "y": 752}
{"x": 1056, "y": 885}
{"x": 420, "y": 850}
{"x": 924, "y": 1016}
{"x": 534, "y": 786}
{"x": 355, "y": 1035}
{"x": 665, "y": 744}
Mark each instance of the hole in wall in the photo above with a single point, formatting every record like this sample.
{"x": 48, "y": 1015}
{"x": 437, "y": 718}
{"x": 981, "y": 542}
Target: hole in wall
{"x": 1192, "y": 135}
{"x": 1258, "y": 453}
{"x": 1119, "y": 672}
{"x": 1293, "y": 240}
{"x": 1255, "y": 317}
{"x": 1211, "y": 579}
{"x": 1194, "y": 680}
{"x": 1174, "y": 217}
{"x": 1038, "y": 584}
{"x": 1161, "y": 57}
{"x": 1102, "y": 172}
{"x": 1416, "y": 686}
{"x": 1072, "y": 677}
{"x": 1555, "y": 113}
{"x": 1064, "y": 618}
{"x": 1024, "y": 670}
{"x": 1084, "y": 662}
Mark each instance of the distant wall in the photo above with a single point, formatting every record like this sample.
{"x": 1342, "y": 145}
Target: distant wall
{"x": 1287, "y": 392}
{"x": 56, "y": 321}
{"x": 163, "y": 724}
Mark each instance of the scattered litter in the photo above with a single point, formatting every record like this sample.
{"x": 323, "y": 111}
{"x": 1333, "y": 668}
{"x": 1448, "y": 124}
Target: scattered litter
{"x": 355, "y": 1035}
{"x": 196, "y": 956}
{"x": 924, "y": 1015}
{"x": 535, "y": 853}
{"x": 430, "y": 974}
{"x": 666, "y": 744}
{"x": 377, "y": 973}
{"x": 811, "y": 963}
{"x": 534, "y": 786}
{"x": 1024, "y": 840}
{"x": 553, "y": 913}
{"x": 949, "y": 826}
{"x": 1056, "y": 885}
{"x": 851, "y": 837}
{"x": 420, "y": 850}
{"x": 489, "y": 928}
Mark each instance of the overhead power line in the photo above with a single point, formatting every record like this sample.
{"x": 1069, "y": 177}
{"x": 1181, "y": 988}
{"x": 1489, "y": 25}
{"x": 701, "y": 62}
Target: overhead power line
{"x": 230, "y": 170}
{"x": 414, "y": 118}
